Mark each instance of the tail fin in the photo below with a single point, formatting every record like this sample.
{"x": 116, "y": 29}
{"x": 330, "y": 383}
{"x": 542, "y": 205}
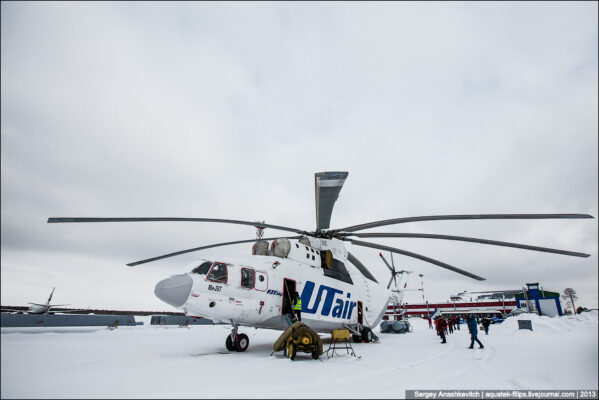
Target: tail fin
{"x": 50, "y": 298}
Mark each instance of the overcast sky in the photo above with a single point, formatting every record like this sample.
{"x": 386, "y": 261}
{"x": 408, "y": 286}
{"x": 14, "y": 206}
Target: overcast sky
{"x": 226, "y": 110}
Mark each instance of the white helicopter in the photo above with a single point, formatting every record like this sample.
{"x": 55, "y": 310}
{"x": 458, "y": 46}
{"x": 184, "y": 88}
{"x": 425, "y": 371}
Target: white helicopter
{"x": 336, "y": 289}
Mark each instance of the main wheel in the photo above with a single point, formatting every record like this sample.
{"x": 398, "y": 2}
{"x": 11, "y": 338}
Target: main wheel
{"x": 315, "y": 354}
{"x": 292, "y": 351}
{"x": 367, "y": 334}
{"x": 356, "y": 338}
{"x": 229, "y": 344}
{"x": 242, "y": 342}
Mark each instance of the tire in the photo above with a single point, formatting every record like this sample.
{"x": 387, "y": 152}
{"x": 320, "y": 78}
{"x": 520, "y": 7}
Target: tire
{"x": 229, "y": 343}
{"x": 356, "y": 338}
{"x": 242, "y": 342}
{"x": 315, "y": 354}
{"x": 306, "y": 339}
{"x": 367, "y": 334}
{"x": 292, "y": 351}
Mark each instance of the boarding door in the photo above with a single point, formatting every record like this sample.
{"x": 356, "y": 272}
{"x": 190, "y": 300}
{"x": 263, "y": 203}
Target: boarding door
{"x": 360, "y": 315}
{"x": 288, "y": 290}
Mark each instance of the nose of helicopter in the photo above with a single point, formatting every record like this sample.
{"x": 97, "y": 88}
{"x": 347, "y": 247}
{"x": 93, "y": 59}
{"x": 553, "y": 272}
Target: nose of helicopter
{"x": 174, "y": 290}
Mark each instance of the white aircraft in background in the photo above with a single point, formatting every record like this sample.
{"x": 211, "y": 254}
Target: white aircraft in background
{"x": 37, "y": 308}
{"x": 336, "y": 289}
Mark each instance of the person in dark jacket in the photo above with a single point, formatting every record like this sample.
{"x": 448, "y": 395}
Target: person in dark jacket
{"x": 286, "y": 310}
{"x": 441, "y": 328}
{"x": 486, "y": 322}
{"x": 473, "y": 332}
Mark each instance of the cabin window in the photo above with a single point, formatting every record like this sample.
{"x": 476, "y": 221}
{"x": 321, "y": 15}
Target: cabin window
{"x": 218, "y": 273}
{"x": 248, "y": 278}
{"x": 202, "y": 268}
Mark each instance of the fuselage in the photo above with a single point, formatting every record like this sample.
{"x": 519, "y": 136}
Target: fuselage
{"x": 38, "y": 309}
{"x": 249, "y": 290}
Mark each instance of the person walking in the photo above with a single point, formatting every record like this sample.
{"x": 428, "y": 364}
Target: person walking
{"x": 297, "y": 306}
{"x": 473, "y": 332}
{"x": 450, "y": 324}
{"x": 457, "y": 321}
{"x": 486, "y": 322}
{"x": 441, "y": 328}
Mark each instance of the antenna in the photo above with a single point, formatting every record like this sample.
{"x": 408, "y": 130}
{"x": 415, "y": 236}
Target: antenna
{"x": 260, "y": 230}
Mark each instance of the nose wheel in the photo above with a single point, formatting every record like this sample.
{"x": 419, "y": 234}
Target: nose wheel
{"x": 237, "y": 342}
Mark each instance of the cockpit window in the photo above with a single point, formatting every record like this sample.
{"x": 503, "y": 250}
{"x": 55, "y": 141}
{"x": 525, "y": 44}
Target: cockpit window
{"x": 248, "y": 278}
{"x": 218, "y": 273}
{"x": 202, "y": 268}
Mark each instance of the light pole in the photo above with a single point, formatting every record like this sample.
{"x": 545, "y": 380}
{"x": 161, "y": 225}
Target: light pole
{"x": 422, "y": 288}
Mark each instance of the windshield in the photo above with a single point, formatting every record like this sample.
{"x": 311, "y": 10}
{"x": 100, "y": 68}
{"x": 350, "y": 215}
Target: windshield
{"x": 203, "y": 268}
{"x": 218, "y": 273}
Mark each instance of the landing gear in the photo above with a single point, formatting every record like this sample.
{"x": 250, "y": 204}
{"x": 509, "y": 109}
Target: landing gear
{"x": 237, "y": 342}
{"x": 229, "y": 344}
{"x": 242, "y": 342}
{"x": 367, "y": 334}
{"x": 356, "y": 338}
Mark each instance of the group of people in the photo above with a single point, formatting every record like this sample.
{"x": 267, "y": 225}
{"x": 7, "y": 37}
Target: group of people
{"x": 444, "y": 325}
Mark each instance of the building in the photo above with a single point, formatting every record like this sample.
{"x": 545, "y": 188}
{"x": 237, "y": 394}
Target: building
{"x": 542, "y": 302}
{"x": 482, "y": 307}
{"x": 489, "y": 303}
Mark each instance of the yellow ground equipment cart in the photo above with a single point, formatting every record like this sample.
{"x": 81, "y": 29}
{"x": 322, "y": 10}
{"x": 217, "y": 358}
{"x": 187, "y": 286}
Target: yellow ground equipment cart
{"x": 299, "y": 337}
{"x": 340, "y": 340}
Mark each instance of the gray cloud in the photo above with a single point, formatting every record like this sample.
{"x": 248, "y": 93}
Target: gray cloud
{"x": 226, "y": 110}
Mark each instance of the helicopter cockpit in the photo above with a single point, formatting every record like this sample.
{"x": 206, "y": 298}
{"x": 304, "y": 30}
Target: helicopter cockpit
{"x": 215, "y": 272}
{"x": 202, "y": 268}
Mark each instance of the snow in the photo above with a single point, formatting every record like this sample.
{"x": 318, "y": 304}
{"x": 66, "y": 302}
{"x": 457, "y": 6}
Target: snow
{"x": 172, "y": 362}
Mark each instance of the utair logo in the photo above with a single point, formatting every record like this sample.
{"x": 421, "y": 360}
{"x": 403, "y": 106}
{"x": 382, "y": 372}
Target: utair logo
{"x": 274, "y": 292}
{"x": 342, "y": 308}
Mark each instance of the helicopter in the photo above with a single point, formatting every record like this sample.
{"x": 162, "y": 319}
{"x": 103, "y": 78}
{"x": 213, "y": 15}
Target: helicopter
{"x": 337, "y": 291}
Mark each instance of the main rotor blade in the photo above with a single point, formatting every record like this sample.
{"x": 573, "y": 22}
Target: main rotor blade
{"x": 386, "y": 263}
{"x": 169, "y": 219}
{"x": 361, "y": 267}
{"x": 327, "y": 186}
{"x": 418, "y": 256}
{"x": 204, "y": 247}
{"x": 458, "y": 217}
{"x": 469, "y": 239}
{"x": 390, "y": 280}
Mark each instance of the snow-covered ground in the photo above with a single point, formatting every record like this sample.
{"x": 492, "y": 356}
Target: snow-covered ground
{"x": 172, "y": 362}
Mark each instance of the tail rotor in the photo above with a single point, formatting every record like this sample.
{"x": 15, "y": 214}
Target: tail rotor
{"x": 394, "y": 272}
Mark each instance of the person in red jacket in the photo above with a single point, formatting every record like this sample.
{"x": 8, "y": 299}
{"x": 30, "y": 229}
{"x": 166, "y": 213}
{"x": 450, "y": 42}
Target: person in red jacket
{"x": 441, "y": 328}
